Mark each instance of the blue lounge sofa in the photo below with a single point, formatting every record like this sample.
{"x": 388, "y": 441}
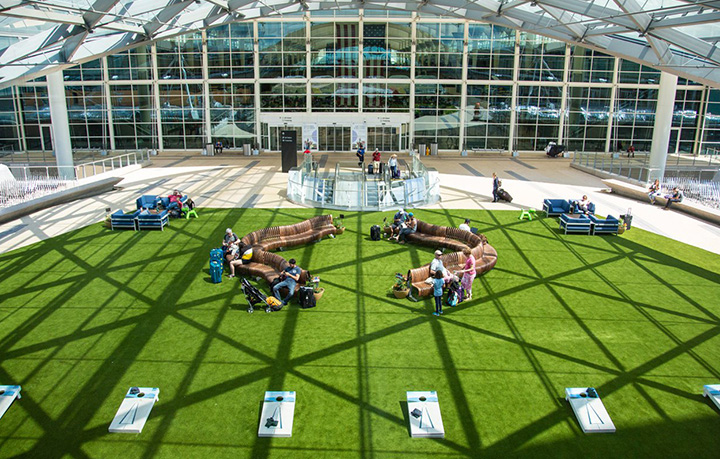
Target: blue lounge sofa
{"x": 148, "y": 202}
{"x": 165, "y": 201}
{"x": 555, "y": 207}
{"x": 579, "y": 224}
{"x": 607, "y": 226}
{"x": 147, "y": 220}
{"x": 121, "y": 220}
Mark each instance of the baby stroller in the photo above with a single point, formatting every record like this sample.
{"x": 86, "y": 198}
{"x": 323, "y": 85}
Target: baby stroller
{"x": 455, "y": 293}
{"x": 254, "y": 296}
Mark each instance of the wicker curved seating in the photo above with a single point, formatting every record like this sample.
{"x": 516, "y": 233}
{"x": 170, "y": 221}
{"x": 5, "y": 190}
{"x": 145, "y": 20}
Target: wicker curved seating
{"x": 456, "y": 240}
{"x": 268, "y": 265}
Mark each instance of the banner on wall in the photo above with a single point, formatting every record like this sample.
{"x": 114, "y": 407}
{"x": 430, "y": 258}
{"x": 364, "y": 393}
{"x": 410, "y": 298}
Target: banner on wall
{"x": 310, "y": 136}
{"x": 358, "y": 132}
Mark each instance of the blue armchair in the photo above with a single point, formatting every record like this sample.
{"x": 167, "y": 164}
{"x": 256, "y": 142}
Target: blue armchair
{"x": 609, "y": 225}
{"x": 555, "y": 207}
{"x": 579, "y": 224}
{"x": 121, "y": 220}
{"x": 148, "y": 220}
{"x": 147, "y": 201}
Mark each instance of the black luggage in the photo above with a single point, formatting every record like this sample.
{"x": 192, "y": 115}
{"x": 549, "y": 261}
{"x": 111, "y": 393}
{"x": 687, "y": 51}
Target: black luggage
{"x": 504, "y": 195}
{"x": 375, "y": 232}
{"x": 306, "y": 297}
{"x": 370, "y": 168}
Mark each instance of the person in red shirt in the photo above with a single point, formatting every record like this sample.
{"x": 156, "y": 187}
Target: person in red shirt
{"x": 376, "y": 161}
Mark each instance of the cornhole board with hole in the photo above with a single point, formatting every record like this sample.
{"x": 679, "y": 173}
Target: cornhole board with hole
{"x": 8, "y": 394}
{"x": 712, "y": 391}
{"x": 134, "y": 410}
{"x": 278, "y": 412}
{"x": 589, "y": 411}
{"x": 424, "y": 414}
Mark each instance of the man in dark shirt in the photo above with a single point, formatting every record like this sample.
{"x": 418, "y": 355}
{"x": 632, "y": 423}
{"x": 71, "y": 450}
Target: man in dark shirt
{"x": 677, "y": 196}
{"x": 289, "y": 278}
{"x": 496, "y": 187}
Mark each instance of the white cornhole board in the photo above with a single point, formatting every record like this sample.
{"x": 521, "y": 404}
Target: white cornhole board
{"x": 8, "y": 394}
{"x": 712, "y": 391}
{"x": 134, "y": 410}
{"x": 424, "y": 414}
{"x": 590, "y": 412}
{"x": 278, "y": 407}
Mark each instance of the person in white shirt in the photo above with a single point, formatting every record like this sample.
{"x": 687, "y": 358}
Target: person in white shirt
{"x": 465, "y": 226}
{"x": 437, "y": 265}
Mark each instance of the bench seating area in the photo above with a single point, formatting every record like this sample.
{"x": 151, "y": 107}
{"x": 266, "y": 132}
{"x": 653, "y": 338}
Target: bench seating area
{"x": 139, "y": 220}
{"x": 637, "y": 192}
{"x": 268, "y": 265}
{"x": 455, "y": 239}
{"x": 557, "y": 207}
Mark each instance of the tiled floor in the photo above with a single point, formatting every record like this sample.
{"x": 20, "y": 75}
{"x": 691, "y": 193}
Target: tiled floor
{"x": 256, "y": 181}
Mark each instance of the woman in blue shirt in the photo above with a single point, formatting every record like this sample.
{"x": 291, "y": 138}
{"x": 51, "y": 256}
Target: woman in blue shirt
{"x": 438, "y": 284}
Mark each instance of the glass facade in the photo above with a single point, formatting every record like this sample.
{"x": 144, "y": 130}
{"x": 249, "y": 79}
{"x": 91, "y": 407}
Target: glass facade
{"x": 459, "y": 84}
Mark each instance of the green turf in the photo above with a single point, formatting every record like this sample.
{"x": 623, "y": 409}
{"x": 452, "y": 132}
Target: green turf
{"x": 86, "y": 315}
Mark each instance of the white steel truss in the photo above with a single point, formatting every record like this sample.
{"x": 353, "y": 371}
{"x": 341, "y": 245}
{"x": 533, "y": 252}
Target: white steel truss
{"x": 677, "y": 36}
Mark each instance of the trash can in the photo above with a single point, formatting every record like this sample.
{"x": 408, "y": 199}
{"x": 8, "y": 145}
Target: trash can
{"x": 421, "y": 149}
{"x": 433, "y": 149}
{"x": 246, "y": 149}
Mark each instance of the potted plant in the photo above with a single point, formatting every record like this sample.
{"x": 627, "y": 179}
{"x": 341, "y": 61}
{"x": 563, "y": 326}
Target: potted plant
{"x": 400, "y": 289}
{"x": 317, "y": 290}
{"x": 339, "y": 226}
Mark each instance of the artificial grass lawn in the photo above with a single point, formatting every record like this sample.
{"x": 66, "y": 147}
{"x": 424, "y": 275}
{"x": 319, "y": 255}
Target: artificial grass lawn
{"x": 88, "y": 314}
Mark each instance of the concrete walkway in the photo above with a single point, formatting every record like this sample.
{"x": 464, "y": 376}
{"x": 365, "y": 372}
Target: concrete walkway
{"x": 256, "y": 181}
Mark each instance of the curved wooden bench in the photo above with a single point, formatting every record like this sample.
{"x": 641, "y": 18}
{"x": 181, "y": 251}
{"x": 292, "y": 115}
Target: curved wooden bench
{"x": 454, "y": 239}
{"x": 268, "y": 265}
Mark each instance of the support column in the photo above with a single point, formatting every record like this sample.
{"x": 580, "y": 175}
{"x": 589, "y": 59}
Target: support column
{"x": 60, "y": 125}
{"x": 661, "y": 128}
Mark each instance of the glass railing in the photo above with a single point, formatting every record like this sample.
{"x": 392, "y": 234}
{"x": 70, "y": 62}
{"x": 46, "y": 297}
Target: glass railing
{"x": 637, "y": 167}
{"x": 350, "y": 187}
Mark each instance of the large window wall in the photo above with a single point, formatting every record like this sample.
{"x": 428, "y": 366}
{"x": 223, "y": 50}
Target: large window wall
{"x": 463, "y": 85}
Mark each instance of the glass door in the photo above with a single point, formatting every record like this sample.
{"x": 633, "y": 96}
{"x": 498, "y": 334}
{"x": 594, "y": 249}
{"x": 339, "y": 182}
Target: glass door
{"x": 46, "y": 131}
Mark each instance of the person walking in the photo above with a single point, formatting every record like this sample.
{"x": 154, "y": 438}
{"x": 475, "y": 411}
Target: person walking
{"x": 393, "y": 164}
{"x": 438, "y": 284}
{"x": 496, "y": 187}
{"x": 376, "y": 161}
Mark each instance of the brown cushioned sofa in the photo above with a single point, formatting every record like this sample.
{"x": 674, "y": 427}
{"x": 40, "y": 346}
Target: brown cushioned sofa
{"x": 268, "y": 265}
{"x": 456, "y": 240}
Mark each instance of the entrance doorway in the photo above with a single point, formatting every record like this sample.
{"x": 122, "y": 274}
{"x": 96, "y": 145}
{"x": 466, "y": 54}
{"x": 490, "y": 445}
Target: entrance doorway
{"x": 334, "y": 138}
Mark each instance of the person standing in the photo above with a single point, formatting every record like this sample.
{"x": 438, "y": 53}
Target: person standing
{"x": 677, "y": 196}
{"x": 468, "y": 274}
{"x": 393, "y": 164}
{"x": 289, "y": 278}
{"x": 376, "y": 161}
{"x": 438, "y": 284}
{"x": 361, "y": 155}
{"x": 496, "y": 187}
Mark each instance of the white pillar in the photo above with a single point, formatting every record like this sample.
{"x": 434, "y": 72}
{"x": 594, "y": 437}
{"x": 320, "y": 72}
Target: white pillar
{"x": 60, "y": 125}
{"x": 663, "y": 123}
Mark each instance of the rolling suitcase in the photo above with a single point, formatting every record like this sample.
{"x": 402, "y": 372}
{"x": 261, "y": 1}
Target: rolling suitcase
{"x": 216, "y": 271}
{"x": 504, "y": 195}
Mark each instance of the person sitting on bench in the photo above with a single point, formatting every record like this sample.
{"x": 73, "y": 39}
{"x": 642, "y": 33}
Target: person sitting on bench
{"x": 437, "y": 265}
{"x": 243, "y": 256}
{"x": 465, "y": 226}
{"x": 409, "y": 227}
{"x": 677, "y": 196}
{"x": 288, "y": 279}
{"x": 229, "y": 240}
{"x": 398, "y": 221}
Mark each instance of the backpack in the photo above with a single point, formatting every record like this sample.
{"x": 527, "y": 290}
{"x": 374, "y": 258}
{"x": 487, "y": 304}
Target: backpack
{"x": 452, "y": 298}
{"x": 306, "y": 297}
{"x": 375, "y": 232}
{"x": 454, "y": 293}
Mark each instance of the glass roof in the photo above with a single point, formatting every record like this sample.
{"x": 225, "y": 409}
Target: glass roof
{"x": 673, "y": 35}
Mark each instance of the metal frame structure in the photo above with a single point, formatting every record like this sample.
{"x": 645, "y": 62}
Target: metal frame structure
{"x": 676, "y": 36}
